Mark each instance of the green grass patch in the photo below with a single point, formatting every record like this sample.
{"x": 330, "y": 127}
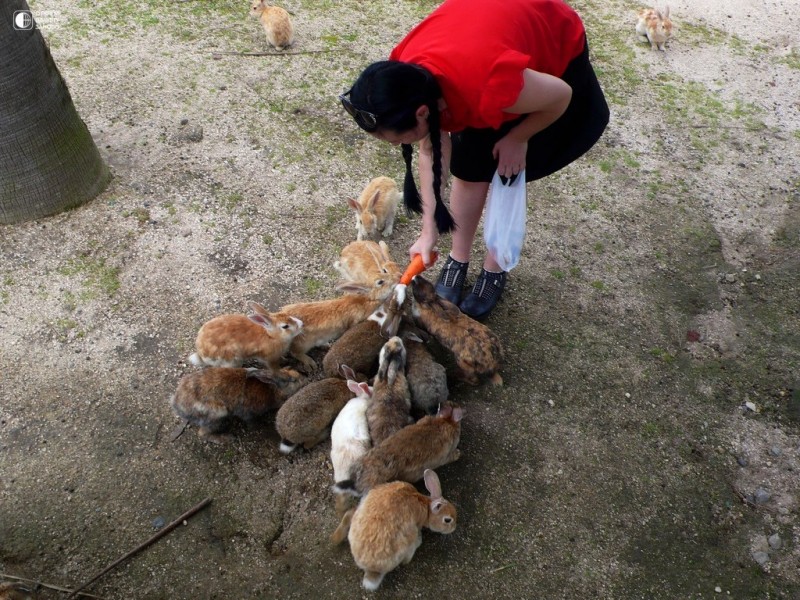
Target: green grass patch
{"x": 97, "y": 277}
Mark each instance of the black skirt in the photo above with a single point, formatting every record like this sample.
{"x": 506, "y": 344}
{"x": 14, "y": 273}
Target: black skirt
{"x": 551, "y": 149}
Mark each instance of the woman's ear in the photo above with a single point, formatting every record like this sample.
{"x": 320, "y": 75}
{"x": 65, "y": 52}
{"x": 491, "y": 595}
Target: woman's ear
{"x": 423, "y": 112}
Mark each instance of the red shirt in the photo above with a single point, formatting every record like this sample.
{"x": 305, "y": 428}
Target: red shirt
{"x": 477, "y": 50}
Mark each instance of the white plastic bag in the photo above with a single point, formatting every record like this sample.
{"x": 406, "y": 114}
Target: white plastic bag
{"x": 504, "y": 221}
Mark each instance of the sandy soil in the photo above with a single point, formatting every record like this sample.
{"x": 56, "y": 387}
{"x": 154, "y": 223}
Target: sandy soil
{"x": 646, "y": 442}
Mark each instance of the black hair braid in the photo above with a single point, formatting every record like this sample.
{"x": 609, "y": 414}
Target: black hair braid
{"x": 410, "y": 193}
{"x": 442, "y": 216}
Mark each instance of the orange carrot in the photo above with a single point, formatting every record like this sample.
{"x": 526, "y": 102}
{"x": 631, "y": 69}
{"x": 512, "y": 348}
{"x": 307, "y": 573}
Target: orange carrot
{"x": 415, "y": 267}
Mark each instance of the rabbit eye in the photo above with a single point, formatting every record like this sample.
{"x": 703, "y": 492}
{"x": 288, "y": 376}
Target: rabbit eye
{"x": 285, "y": 326}
{"x": 448, "y": 520}
{"x": 379, "y": 282}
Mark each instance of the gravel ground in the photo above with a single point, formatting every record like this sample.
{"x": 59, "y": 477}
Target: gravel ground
{"x": 646, "y": 441}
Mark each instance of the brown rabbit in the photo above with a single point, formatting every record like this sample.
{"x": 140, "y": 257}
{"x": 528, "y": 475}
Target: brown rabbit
{"x": 389, "y": 410}
{"x": 375, "y": 208}
{"x": 277, "y": 24}
{"x": 367, "y": 263}
{"x": 427, "y": 444}
{"x": 385, "y": 529}
{"x": 655, "y": 27}
{"x": 229, "y": 340}
{"x": 10, "y": 590}
{"x": 477, "y": 349}
{"x": 325, "y": 320}
{"x": 359, "y": 346}
{"x": 305, "y": 418}
{"x": 209, "y": 398}
{"x": 427, "y": 379}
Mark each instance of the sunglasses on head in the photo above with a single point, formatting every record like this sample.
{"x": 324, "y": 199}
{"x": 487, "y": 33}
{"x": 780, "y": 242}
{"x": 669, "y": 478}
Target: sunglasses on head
{"x": 366, "y": 120}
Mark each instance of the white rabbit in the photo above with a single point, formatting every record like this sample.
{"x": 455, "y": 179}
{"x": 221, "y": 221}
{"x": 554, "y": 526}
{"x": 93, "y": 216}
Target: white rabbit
{"x": 350, "y": 436}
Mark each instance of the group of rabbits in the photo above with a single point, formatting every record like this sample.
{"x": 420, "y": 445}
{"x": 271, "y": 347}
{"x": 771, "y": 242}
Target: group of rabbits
{"x": 380, "y": 395}
{"x": 653, "y": 26}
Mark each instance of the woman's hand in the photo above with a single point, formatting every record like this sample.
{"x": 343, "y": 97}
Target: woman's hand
{"x": 543, "y": 98}
{"x": 510, "y": 155}
{"x": 424, "y": 246}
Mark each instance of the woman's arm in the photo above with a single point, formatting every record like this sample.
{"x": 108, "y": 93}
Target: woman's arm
{"x": 544, "y": 98}
{"x": 429, "y": 234}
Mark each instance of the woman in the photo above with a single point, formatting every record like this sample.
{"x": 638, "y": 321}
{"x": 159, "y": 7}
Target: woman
{"x": 483, "y": 86}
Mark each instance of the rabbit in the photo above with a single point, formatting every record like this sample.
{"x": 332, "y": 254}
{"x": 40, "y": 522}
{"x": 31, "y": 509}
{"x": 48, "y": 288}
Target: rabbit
{"x": 375, "y": 208}
{"x": 305, "y": 418}
{"x": 359, "y": 346}
{"x": 350, "y": 437}
{"x": 367, "y": 263}
{"x": 325, "y": 320}
{"x": 229, "y": 340}
{"x": 385, "y": 529}
{"x": 390, "y": 407}
{"x": 655, "y": 27}
{"x": 211, "y": 397}
{"x": 427, "y": 444}
{"x": 10, "y": 590}
{"x": 277, "y": 24}
{"x": 477, "y": 349}
{"x": 427, "y": 379}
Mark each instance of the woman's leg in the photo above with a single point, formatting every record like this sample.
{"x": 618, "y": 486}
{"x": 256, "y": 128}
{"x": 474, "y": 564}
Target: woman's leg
{"x": 466, "y": 205}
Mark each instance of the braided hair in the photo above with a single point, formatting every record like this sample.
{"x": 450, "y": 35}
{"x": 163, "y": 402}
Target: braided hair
{"x": 393, "y": 91}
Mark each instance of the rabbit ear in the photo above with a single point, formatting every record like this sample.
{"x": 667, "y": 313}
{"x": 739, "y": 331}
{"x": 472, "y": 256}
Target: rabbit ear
{"x": 374, "y": 200}
{"x": 354, "y": 386}
{"x": 410, "y": 335}
{"x": 666, "y": 12}
{"x": 265, "y": 322}
{"x": 352, "y": 286}
{"x": 347, "y": 372}
{"x": 263, "y": 375}
{"x": 445, "y": 410}
{"x": 458, "y": 414}
{"x": 432, "y": 485}
{"x": 385, "y": 251}
{"x": 257, "y": 308}
{"x": 366, "y": 389}
{"x": 353, "y": 204}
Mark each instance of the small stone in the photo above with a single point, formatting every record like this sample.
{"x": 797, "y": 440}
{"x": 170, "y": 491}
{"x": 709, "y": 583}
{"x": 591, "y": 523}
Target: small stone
{"x": 184, "y": 121}
{"x": 186, "y": 232}
{"x": 775, "y": 541}
{"x": 158, "y": 522}
{"x": 750, "y": 406}
{"x": 775, "y": 451}
{"x": 718, "y": 590}
{"x": 761, "y": 496}
{"x": 628, "y": 395}
{"x": 742, "y": 461}
{"x": 761, "y": 558}
{"x": 730, "y": 278}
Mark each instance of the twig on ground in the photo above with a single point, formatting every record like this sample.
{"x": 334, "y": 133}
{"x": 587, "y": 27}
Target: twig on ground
{"x": 218, "y": 55}
{"x": 160, "y": 534}
{"x": 742, "y": 497}
{"x": 503, "y": 568}
{"x": 178, "y": 431}
{"x": 49, "y": 586}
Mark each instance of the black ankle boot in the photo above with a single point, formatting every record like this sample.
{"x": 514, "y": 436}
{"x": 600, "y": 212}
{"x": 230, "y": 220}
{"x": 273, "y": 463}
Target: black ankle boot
{"x": 484, "y": 295}
{"x": 451, "y": 280}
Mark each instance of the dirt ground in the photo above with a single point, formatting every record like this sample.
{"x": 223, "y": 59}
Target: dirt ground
{"x": 647, "y": 441}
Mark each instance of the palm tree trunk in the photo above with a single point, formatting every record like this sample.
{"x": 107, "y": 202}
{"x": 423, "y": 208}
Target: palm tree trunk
{"x": 48, "y": 160}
